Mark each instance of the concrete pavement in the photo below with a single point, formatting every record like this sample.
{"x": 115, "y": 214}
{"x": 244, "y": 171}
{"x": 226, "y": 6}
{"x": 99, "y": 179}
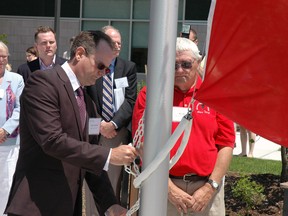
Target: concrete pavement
{"x": 264, "y": 148}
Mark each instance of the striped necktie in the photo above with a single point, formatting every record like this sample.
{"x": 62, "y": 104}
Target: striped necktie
{"x": 107, "y": 106}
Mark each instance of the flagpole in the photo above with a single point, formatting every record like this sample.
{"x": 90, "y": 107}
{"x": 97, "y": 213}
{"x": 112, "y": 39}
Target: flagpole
{"x": 158, "y": 117}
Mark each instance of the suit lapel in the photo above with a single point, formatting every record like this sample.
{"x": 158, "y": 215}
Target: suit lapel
{"x": 71, "y": 95}
{"x": 119, "y": 68}
{"x": 34, "y": 65}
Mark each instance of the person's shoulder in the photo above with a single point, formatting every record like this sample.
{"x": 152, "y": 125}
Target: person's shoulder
{"x": 59, "y": 60}
{"x": 23, "y": 66}
{"x": 13, "y": 74}
{"x": 33, "y": 65}
{"x": 123, "y": 61}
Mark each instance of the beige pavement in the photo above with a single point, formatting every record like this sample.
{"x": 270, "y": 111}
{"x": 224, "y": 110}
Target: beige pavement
{"x": 264, "y": 148}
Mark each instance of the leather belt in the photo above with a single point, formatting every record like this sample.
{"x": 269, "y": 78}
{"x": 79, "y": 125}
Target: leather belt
{"x": 189, "y": 177}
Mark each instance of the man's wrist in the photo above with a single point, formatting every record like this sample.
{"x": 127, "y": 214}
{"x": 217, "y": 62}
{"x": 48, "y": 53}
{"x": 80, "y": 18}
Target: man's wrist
{"x": 5, "y": 132}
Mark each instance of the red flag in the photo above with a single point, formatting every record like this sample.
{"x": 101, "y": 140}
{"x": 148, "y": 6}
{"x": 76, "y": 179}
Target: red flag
{"x": 246, "y": 75}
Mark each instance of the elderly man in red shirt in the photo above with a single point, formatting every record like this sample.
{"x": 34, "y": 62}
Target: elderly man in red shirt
{"x": 196, "y": 181}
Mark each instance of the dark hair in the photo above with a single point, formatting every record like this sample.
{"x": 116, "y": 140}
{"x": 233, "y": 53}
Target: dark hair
{"x": 43, "y": 29}
{"x": 72, "y": 39}
{"x": 194, "y": 32}
{"x": 32, "y": 50}
{"x": 89, "y": 40}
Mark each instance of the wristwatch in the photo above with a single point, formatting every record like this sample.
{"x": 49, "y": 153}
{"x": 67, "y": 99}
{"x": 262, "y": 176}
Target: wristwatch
{"x": 213, "y": 183}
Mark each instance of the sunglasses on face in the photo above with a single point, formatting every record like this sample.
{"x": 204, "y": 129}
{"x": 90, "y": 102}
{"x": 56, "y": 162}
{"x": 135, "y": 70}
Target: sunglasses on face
{"x": 184, "y": 65}
{"x": 102, "y": 67}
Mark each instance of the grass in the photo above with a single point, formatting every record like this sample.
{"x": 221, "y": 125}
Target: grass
{"x": 247, "y": 165}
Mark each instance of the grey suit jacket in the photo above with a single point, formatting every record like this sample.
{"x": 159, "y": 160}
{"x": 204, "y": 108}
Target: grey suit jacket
{"x": 49, "y": 175}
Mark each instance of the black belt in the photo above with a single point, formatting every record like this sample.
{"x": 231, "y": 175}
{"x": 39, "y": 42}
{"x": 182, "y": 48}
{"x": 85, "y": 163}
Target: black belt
{"x": 189, "y": 177}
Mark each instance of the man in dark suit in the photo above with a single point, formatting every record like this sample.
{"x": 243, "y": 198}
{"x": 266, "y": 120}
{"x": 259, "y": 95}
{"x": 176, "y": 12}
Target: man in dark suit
{"x": 46, "y": 46}
{"x": 117, "y": 130}
{"x": 55, "y": 154}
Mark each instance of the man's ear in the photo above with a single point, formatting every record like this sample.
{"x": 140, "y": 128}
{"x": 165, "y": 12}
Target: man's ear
{"x": 79, "y": 53}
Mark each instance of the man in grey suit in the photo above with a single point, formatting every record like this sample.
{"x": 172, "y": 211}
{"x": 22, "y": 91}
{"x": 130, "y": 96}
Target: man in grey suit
{"x": 55, "y": 154}
{"x": 117, "y": 130}
{"x": 46, "y": 46}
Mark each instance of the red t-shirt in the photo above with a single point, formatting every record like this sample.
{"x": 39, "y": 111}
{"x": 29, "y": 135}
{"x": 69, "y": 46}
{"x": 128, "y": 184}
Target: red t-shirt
{"x": 209, "y": 129}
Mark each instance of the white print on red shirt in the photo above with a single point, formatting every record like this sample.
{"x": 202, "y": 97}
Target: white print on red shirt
{"x": 202, "y": 109}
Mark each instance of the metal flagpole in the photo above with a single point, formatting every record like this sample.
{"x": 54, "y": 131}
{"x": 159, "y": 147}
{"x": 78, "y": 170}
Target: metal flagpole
{"x": 158, "y": 117}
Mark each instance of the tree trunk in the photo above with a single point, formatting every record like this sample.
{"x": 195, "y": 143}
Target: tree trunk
{"x": 284, "y": 155}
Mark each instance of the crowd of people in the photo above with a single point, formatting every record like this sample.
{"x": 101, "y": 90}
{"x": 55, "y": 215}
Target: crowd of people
{"x": 75, "y": 117}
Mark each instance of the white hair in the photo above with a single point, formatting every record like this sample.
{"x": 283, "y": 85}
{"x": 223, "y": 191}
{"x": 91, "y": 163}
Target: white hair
{"x": 5, "y": 47}
{"x": 184, "y": 44}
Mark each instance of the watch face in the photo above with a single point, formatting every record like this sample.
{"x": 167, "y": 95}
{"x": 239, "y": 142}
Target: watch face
{"x": 213, "y": 184}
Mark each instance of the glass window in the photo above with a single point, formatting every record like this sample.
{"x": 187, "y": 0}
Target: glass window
{"x": 139, "y": 45}
{"x": 197, "y": 9}
{"x": 180, "y": 9}
{"x": 106, "y": 9}
{"x": 123, "y": 27}
{"x": 69, "y": 8}
{"x": 141, "y": 9}
{"x": 93, "y": 25}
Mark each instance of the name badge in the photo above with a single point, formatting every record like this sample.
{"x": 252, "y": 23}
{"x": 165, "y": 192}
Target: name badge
{"x": 2, "y": 93}
{"x": 121, "y": 82}
{"x": 178, "y": 113}
{"x": 94, "y": 126}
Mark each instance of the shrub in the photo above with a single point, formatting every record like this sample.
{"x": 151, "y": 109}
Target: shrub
{"x": 249, "y": 192}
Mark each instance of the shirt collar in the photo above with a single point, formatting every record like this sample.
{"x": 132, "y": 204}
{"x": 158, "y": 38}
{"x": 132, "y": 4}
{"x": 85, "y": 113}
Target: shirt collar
{"x": 112, "y": 66}
{"x": 71, "y": 76}
{"x": 44, "y": 67}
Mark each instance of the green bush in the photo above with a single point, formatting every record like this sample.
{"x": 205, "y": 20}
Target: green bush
{"x": 3, "y": 38}
{"x": 140, "y": 85}
{"x": 249, "y": 192}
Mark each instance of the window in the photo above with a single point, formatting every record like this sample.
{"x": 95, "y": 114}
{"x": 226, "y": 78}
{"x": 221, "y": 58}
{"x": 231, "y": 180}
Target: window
{"x": 197, "y": 9}
{"x": 69, "y": 8}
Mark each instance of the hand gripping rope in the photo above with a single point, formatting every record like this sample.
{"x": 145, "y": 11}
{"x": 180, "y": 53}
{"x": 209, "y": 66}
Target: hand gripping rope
{"x": 184, "y": 125}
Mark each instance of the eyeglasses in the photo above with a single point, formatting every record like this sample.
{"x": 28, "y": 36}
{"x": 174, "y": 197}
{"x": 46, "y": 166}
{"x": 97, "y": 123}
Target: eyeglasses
{"x": 102, "y": 67}
{"x": 184, "y": 65}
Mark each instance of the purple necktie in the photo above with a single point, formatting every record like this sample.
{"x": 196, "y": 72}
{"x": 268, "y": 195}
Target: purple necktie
{"x": 107, "y": 106}
{"x": 82, "y": 106}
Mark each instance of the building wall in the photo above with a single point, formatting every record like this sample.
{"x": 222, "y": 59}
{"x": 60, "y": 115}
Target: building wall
{"x": 20, "y": 35}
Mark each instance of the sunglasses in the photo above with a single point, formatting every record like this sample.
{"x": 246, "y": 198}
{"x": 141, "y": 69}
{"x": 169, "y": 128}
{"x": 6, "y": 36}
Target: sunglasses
{"x": 184, "y": 65}
{"x": 102, "y": 67}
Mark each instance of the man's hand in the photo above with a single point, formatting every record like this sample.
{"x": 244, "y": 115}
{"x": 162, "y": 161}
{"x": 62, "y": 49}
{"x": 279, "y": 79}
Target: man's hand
{"x": 107, "y": 129}
{"x": 123, "y": 155}
{"x": 179, "y": 198}
{"x": 116, "y": 210}
{"x": 201, "y": 198}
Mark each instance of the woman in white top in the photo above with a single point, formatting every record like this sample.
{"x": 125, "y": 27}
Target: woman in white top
{"x": 11, "y": 86}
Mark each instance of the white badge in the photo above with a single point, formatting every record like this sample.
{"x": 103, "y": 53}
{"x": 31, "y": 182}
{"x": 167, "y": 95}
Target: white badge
{"x": 2, "y": 93}
{"x": 121, "y": 82}
{"x": 178, "y": 113}
{"x": 94, "y": 126}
